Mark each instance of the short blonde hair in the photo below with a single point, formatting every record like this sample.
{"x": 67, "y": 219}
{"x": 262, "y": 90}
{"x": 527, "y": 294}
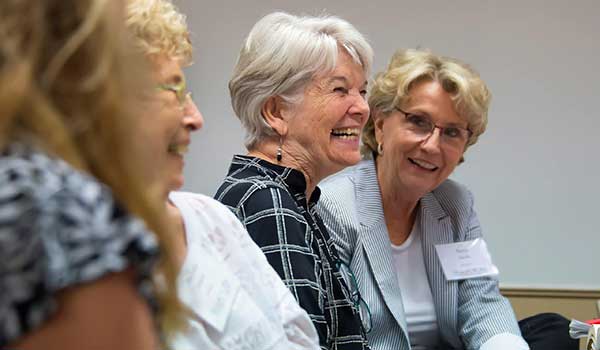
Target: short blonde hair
{"x": 159, "y": 28}
{"x": 281, "y": 55}
{"x": 390, "y": 89}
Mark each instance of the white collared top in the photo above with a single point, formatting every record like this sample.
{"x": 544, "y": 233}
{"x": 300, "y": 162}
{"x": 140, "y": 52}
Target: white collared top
{"x": 237, "y": 300}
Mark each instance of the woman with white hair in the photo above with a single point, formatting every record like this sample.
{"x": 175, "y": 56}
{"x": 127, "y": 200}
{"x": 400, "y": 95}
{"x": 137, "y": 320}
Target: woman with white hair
{"x": 299, "y": 90}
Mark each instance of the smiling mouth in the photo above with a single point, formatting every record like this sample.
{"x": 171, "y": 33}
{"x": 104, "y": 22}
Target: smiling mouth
{"x": 179, "y": 150}
{"x": 423, "y": 164}
{"x": 345, "y": 133}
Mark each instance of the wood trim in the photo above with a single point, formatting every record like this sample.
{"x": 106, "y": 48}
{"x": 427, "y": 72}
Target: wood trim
{"x": 550, "y": 293}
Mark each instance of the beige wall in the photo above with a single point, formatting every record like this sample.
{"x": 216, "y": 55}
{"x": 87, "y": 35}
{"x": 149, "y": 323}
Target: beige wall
{"x": 578, "y": 304}
{"x": 533, "y": 173}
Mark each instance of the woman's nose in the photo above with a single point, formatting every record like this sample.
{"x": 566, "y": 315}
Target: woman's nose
{"x": 432, "y": 141}
{"x": 192, "y": 118}
{"x": 360, "y": 106}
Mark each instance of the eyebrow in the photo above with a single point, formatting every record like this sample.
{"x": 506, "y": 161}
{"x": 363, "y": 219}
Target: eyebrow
{"x": 344, "y": 80}
{"x": 428, "y": 116}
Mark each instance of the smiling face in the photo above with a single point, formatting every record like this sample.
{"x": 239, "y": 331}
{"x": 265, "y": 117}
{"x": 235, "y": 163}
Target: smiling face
{"x": 324, "y": 129}
{"x": 168, "y": 123}
{"x": 410, "y": 164}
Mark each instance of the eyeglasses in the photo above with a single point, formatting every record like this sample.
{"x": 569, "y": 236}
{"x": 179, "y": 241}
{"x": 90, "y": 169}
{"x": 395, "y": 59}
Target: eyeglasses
{"x": 359, "y": 303}
{"x": 423, "y": 127}
{"x": 180, "y": 90}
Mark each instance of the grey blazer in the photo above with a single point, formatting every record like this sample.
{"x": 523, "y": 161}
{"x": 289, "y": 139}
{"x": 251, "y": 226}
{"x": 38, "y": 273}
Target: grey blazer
{"x": 469, "y": 312}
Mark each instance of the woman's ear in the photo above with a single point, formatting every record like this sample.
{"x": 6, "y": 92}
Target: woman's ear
{"x": 273, "y": 111}
{"x": 378, "y": 121}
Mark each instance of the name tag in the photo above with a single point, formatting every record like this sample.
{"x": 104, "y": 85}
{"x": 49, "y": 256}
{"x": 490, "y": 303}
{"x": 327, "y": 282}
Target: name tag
{"x": 464, "y": 260}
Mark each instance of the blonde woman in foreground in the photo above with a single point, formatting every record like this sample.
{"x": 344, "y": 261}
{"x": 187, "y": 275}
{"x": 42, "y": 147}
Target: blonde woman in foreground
{"x": 76, "y": 265}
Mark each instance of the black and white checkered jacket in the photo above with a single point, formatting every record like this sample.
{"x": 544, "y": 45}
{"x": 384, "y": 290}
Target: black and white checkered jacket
{"x": 270, "y": 201}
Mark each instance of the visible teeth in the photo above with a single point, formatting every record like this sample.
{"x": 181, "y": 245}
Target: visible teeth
{"x": 424, "y": 164}
{"x": 180, "y": 150}
{"x": 345, "y": 137}
{"x": 349, "y": 132}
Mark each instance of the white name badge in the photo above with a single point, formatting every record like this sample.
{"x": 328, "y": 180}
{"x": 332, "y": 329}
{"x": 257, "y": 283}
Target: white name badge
{"x": 464, "y": 260}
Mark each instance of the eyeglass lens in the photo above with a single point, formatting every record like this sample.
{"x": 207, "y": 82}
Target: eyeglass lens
{"x": 424, "y": 127}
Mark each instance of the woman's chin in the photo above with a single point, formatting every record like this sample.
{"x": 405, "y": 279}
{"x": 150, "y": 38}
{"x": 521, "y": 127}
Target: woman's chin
{"x": 346, "y": 159}
{"x": 175, "y": 182}
{"x": 346, "y": 150}
{"x": 345, "y": 142}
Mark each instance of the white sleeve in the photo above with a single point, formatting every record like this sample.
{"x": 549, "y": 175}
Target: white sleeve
{"x": 298, "y": 328}
{"x": 258, "y": 279}
{"x": 505, "y": 341}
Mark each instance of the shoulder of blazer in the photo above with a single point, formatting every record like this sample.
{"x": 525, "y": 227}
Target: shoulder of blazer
{"x": 354, "y": 191}
{"x": 337, "y": 208}
{"x": 454, "y": 200}
{"x": 338, "y": 191}
{"x": 338, "y": 194}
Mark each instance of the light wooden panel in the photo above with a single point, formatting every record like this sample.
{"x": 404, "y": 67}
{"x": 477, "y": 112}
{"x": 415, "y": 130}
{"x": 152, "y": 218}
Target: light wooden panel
{"x": 578, "y": 304}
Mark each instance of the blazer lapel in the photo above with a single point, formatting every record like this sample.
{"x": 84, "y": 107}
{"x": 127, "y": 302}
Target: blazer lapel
{"x": 437, "y": 229}
{"x": 374, "y": 236}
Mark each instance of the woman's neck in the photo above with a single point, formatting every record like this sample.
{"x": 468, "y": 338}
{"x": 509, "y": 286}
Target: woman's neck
{"x": 177, "y": 232}
{"x": 290, "y": 158}
{"x": 399, "y": 210}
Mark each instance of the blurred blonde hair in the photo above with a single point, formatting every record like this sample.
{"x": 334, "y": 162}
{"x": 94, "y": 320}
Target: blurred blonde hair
{"x": 159, "y": 29}
{"x": 67, "y": 81}
{"x": 391, "y": 89}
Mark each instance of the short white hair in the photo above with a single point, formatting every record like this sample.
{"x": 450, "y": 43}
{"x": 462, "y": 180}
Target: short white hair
{"x": 281, "y": 55}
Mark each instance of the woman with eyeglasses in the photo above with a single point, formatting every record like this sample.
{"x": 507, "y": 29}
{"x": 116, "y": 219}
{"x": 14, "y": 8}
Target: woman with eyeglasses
{"x": 411, "y": 235}
{"x": 235, "y": 300}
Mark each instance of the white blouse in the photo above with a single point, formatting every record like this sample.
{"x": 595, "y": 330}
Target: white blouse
{"x": 419, "y": 308}
{"x": 237, "y": 300}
